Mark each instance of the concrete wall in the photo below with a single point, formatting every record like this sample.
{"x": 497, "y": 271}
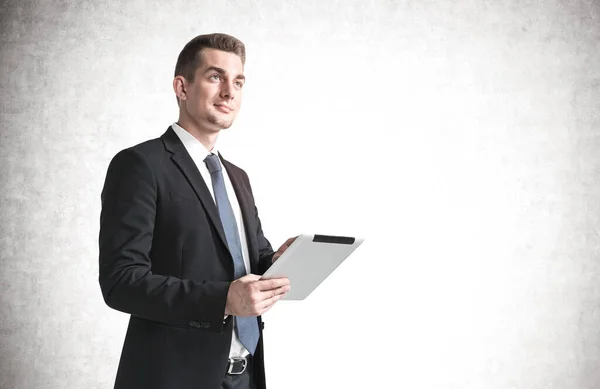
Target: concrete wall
{"x": 460, "y": 138}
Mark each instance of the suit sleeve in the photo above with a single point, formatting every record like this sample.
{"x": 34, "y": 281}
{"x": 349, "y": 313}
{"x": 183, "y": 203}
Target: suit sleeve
{"x": 265, "y": 251}
{"x": 129, "y": 200}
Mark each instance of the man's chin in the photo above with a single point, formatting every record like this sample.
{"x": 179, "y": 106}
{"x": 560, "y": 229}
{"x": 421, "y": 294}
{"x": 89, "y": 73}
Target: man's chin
{"x": 221, "y": 124}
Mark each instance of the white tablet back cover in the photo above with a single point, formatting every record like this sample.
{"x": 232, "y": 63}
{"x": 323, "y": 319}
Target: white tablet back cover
{"x": 309, "y": 260}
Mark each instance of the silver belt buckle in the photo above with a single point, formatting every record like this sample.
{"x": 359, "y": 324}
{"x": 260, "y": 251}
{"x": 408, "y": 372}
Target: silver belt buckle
{"x": 232, "y": 362}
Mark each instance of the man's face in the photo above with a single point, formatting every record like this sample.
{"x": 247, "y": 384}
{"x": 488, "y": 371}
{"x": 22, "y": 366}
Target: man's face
{"x": 215, "y": 96}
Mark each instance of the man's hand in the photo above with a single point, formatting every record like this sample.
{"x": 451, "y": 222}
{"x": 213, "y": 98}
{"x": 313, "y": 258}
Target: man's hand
{"x": 283, "y": 248}
{"x": 250, "y": 296}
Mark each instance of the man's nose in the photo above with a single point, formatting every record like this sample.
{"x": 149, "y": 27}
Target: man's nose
{"x": 227, "y": 91}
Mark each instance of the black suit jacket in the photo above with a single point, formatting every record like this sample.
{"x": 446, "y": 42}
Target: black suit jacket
{"x": 164, "y": 260}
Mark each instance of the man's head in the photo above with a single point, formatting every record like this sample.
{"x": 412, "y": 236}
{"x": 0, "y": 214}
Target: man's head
{"x": 208, "y": 82}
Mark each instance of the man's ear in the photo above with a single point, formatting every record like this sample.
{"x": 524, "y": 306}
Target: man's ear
{"x": 180, "y": 87}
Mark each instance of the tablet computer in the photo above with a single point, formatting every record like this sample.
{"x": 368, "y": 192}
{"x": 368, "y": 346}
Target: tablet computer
{"x": 309, "y": 260}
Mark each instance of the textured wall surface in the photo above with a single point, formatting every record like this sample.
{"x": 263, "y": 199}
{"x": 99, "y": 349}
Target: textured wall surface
{"x": 460, "y": 138}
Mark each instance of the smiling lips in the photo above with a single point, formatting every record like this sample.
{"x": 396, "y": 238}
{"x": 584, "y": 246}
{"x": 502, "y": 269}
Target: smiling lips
{"x": 223, "y": 108}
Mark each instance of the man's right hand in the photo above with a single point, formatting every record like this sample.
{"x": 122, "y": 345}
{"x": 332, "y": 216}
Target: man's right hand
{"x": 251, "y": 296}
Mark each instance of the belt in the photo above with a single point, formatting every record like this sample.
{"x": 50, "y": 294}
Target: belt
{"x": 237, "y": 365}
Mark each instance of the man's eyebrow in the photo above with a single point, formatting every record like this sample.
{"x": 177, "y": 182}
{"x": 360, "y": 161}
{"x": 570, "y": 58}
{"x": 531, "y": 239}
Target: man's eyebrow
{"x": 215, "y": 69}
{"x": 223, "y": 72}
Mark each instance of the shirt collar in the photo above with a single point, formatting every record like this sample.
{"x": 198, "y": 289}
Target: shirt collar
{"x": 192, "y": 144}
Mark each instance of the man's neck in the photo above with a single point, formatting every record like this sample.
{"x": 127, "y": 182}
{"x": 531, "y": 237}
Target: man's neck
{"x": 207, "y": 138}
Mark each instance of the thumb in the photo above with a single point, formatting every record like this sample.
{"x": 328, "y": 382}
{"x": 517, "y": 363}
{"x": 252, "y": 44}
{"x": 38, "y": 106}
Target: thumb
{"x": 249, "y": 277}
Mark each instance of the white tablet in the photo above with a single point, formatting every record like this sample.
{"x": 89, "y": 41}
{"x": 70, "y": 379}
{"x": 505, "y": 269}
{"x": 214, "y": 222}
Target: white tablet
{"x": 309, "y": 260}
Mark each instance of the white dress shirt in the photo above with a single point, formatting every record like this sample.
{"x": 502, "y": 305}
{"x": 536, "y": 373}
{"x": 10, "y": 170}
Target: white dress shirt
{"x": 199, "y": 152}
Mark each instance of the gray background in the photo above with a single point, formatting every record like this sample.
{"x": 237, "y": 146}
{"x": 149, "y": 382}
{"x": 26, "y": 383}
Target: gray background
{"x": 460, "y": 138}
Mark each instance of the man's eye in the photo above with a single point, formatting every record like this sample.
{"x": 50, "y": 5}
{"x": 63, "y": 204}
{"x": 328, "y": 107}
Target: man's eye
{"x": 239, "y": 83}
{"x": 215, "y": 77}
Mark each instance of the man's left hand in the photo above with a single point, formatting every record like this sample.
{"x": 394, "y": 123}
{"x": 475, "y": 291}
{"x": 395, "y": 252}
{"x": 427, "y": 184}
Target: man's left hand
{"x": 283, "y": 248}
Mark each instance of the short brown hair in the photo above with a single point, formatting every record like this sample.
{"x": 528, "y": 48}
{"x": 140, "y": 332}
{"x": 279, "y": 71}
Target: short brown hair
{"x": 189, "y": 58}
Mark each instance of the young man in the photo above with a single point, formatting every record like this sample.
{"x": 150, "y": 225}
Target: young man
{"x": 181, "y": 243}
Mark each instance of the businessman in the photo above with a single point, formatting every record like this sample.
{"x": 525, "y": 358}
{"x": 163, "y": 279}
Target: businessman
{"x": 181, "y": 244}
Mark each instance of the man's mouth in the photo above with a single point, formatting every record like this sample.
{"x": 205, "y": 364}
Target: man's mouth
{"x": 224, "y": 108}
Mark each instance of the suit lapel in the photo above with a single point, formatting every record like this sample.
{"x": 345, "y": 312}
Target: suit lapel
{"x": 187, "y": 166}
{"x": 247, "y": 209}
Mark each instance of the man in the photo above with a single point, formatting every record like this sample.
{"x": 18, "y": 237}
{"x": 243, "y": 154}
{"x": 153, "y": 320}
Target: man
{"x": 181, "y": 243}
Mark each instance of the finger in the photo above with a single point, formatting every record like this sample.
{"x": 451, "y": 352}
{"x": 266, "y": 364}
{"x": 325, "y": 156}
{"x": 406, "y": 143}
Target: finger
{"x": 291, "y": 240}
{"x": 258, "y": 299}
{"x": 250, "y": 277}
{"x": 268, "y": 303}
{"x": 272, "y": 283}
{"x": 287, "y": 243}
{"x": 261, "y": 297}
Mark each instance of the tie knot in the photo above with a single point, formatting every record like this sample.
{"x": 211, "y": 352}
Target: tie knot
{"x": 212, "y": 163}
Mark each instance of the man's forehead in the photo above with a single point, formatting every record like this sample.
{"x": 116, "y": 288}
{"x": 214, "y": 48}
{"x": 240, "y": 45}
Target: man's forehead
{"x": 230, "y": 62}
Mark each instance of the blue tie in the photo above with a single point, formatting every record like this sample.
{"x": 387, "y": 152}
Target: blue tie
{"x": 246, "y": 327}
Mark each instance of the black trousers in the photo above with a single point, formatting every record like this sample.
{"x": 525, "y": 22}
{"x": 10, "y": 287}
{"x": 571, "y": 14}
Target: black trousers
{"x": 240, "y": 381}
